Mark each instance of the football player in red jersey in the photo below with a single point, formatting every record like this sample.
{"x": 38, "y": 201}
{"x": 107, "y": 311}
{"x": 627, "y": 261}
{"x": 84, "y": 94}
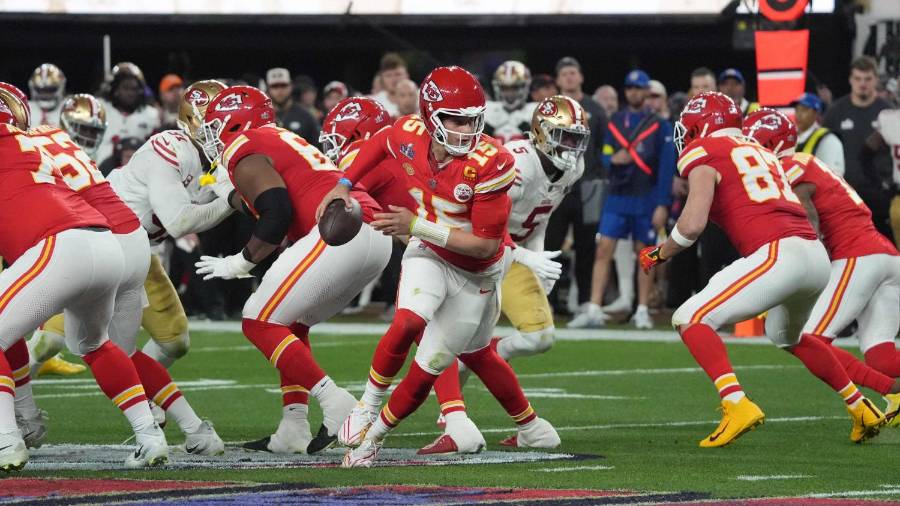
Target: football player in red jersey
{"x": 63, "y": 257}
{"x": 452, "y": 267}
{"x": 865, "y": 266}
{"x": 740, "y": 185}
{"x": 279, "y": 178}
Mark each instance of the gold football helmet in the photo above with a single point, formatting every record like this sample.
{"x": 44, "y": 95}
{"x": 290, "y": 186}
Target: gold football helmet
{"x": 126, "y": 67}
{"x": 559, "y": 130}
{"x": 47, "y": 85}
{"x": 512, "y": 81}
{"x": 84, "y": 119}
{"x": 14, "y": 107}
{"x": 193, "y": 104}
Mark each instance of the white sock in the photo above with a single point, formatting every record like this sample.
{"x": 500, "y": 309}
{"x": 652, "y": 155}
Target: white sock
{"x": 141, "y": 418}
{"x": 642, "y": 308}
{"x": 625, "y": 265}
{"x": 735, "y": 396}
{"x": 7, "y": 413}
{"x": 378, "y": 431}
{"x": 322, "y": 388}
{"x": 183, "y": 414}
{"x": 373, "y": 397}
{"x": 455, "y": 416}
{"x": 25, "y": 405}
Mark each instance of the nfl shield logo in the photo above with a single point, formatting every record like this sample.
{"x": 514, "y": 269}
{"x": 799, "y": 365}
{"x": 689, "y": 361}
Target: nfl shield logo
{"x": 407, "y": 150}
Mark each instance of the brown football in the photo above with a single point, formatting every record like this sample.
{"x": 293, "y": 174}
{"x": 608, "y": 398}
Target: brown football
{"x": 338, "y": 224}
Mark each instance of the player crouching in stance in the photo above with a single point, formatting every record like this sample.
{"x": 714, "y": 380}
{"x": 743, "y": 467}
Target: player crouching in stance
{"x": 279, "y": 178}
{"x": 452, "y": 267}
{"x": 63, "y": 258}
{"x": 865, "y": 266}
{"x": 740, "y": 185}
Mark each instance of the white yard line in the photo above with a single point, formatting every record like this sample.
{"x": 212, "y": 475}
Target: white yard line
{"x": 573, "y": 468}
{"x": 856, "y": 493}
{"x": 752, "y": 477}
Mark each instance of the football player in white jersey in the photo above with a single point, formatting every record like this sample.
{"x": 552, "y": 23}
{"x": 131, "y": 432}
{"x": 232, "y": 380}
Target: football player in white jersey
{"x": 127, "y": 111}
{"x": 888, "y": 126}
{"x": 508, "y": 116}
{"x": 547, "y": 166}
{"x": 48, "y": 87}
{"x": 161, "y": 184}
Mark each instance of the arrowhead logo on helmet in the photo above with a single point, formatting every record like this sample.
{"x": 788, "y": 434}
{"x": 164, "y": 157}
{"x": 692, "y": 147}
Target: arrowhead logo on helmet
{"x": 198, "y": 97}
{"x": 431, "y": 93}
{"x": 230, "y": 103}
{"x": 348, "y": 112}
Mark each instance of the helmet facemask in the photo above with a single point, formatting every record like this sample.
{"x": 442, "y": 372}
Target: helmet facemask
{"x": 466, "y": 142}
{"x": 512, "y": 96}
{"x": 88, "y": 136}
{"x": 208, "y": 136}
{"x": 332, "y": 144}
{"x": 47, "y": 97}
{"x": 564, "y": 146}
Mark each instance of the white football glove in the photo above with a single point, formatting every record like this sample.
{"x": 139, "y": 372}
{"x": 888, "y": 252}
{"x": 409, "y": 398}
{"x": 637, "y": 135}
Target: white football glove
{"x": 540, "y": 263}
{"x": 230, "y": 267}
{"x": 222, "y": 187}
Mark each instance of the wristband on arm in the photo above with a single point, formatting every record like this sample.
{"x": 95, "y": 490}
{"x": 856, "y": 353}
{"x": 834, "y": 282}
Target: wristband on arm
{"x": 428, "y": 231}
{"x": 681, "y": 240}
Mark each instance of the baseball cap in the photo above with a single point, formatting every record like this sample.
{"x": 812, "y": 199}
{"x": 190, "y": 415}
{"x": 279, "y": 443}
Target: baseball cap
{"x": 336, "y": 86}
{"x": 541, "y": 80}
{"x": 170, "y": 81}
{"x": 278, "y": 75}
{"x": 810, "y": 100}
{"x": 657, "y": 88}
{"x": 567, "y": 61}
{"x": 731, "y": 74}
{"x": 637, "y": 79}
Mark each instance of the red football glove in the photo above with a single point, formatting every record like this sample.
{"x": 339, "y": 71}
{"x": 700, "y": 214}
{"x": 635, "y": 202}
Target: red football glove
{"x": 649, "y": 257}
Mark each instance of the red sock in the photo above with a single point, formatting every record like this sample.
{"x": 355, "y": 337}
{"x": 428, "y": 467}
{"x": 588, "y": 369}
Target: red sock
{"x": 157, "y": 382}
{"x": 284, "y": 351}
{"x": 390, "y": 354}
{"x": 501, "y": 381}
{"x": 408, "y": 396}
{"x": 885, "y": 358}
{"x": 301, "y": 331}
{"x": 817, "y": 357}
{"x": 7, "y": 385}
{"x": 295, "y": 394}
{"x": 859, "y": 373}
{"x": 448, "y": 391}
{"x": 116, "y": 375}
{"x": 18, "y": 358}
{"x": 709, "y": 351}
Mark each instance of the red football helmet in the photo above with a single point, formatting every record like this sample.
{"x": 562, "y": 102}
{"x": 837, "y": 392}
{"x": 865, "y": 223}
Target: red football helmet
{"x": 233, "y": 110}
{"x": 703, "y": 115}
{"x": 452, "y": 91}
{"x": 773, "y": 129}
{"x": 18, "y": 113}
{"x": 353, "y": 118}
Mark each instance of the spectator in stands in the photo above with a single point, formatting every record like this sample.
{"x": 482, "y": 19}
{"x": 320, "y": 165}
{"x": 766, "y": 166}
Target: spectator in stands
{"x": 391, "y": 71}
{"x": 608, "y": 98}
{"x": 542, "y": 86}
{"x": 702, "y": 79}
{"x": 580, "y": 208}
{"x": 812, "y": 137}
{"x": 334, "y": 92}
{"x": 657, "y": 100}
{"x": 171, "y": 86}
{"x": 290, "y": 114}
{"x": 731, "y": 83}
{"x": 306, "y": 93}
{"x": 852, "y": 118}
{"x": 406, "y": 94}
{"x": 640, "y": 158}
{"x": 122, "y": 153}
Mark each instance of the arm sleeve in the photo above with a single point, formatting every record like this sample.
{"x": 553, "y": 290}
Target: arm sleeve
{"x": 371, "y": 153}
{"x": 666, "y": 166}
{"x": 171, "y": 203}
{"x": 831, "y": 151}
{"x": 490, "y": 213}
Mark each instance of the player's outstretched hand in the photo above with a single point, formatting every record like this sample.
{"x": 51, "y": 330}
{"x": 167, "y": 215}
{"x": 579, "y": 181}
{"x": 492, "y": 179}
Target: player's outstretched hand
{"x": 341, "y": 192}
{"x": 230, "y": 267}
{"x": 649, "y": 257}
{"x": 397, "y": 222}
{"x": 541, "y": 263}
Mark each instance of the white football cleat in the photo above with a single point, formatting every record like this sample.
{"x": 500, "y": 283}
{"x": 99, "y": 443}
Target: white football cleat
{"x": 159, "y": 414}
{"x": 620, "y": 305}
{"x": 34, "y": 430}
{"x": 461, "y": 435}
{"x": 13, "y": 452}
{"x": 205, "y": 441}
{"x": 592, "y": 317}
{"x": 292, "y": 436}
{"x": 152, "y": 450}
{"x": 536, "y": 434}
{"x": 363, "y": 455}
{"x": 354, "y": 428}
{"x": 641, "y": 318}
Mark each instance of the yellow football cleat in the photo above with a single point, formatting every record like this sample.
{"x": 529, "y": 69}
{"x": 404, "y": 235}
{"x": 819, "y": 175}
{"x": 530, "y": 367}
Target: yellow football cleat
{"x": 892, "y": 411}
{"x": 59, "y": 367}
{"x": 867, "y": 421}
{"x": 737, "y": 418}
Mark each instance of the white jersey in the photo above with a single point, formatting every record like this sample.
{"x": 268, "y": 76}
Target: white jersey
{"x": 140, "y": 124}
{"x": 41, "y": 117}
{"x": 534, "y": 196}
{"x": 889, "y": 127}
{"x": 506, "y": 126}
{"x": 161, "y": 185}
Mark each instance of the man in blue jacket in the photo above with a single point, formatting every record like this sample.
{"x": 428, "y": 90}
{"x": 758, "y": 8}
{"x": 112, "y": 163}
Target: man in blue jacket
{"x": 640, "y": 159}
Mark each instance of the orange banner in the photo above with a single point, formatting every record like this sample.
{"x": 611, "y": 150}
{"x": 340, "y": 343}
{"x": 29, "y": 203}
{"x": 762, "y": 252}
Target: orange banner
{"x": 781, "y": 61}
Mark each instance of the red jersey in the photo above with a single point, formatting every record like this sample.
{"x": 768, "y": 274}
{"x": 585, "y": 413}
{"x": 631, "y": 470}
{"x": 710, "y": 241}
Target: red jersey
{"x": 386, "y": 183}
{"x": 844, "y": 220}
{"x": 81, "y": 174}
{"x": 34, "y": 202}
{"x": 467, "y": 192}
{"x": 753, "y": 201}
{"x": 307, "y": 173}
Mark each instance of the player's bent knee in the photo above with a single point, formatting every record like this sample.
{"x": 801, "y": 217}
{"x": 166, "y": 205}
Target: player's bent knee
{"x": 680, "y": 317}
{"x": 539, "y": 341}
{"x": 175, "y": 346}
{"x": 434, "y": 363}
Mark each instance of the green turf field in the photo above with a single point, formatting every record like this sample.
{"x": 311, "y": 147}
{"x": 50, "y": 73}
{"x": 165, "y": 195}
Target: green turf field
{"x": 642, "y": 406}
